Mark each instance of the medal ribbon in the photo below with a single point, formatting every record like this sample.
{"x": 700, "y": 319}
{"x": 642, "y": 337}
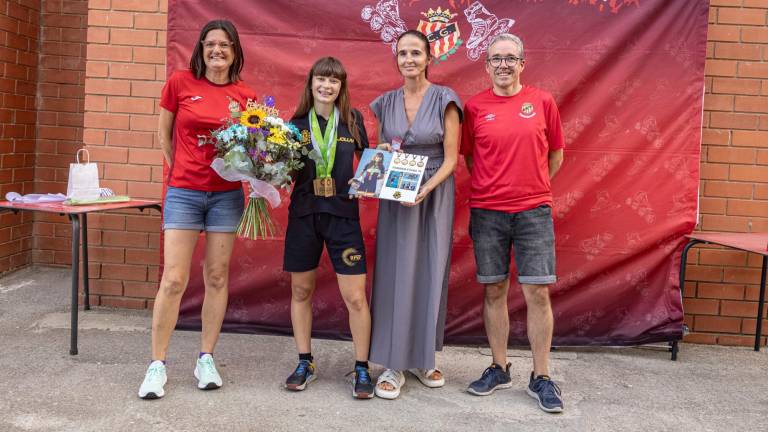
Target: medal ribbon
{"x": 326, "y": 143}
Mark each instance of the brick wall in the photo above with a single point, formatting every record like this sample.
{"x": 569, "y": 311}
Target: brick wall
{"x": 61, "y": 80}
{"x": 720, "y": 296}
{"x": 19, "y": 27}
{"x": 124, "y": 75}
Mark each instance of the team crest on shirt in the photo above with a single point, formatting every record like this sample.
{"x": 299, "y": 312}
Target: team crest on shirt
{"x": 526, "y": 111}
{"x": 234, "y": 106}
{"x": 305, "y": 137}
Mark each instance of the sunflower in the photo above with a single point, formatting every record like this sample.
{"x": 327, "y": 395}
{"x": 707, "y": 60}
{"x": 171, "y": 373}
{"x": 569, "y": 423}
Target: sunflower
{"x": 253, "y": 118}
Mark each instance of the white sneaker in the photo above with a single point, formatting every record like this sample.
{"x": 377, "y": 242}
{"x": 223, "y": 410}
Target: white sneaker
{"x": 208, "y": 377}
{"x": 154, "y": 380}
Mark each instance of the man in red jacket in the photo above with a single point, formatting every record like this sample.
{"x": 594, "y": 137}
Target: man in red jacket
{"x": 512, "y": 141}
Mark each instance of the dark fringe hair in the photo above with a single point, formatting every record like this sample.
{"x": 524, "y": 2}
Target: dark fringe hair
{"x": 330, "y": 67}
{"x": 427, "y": 47}
{"x": 197, "y": 62}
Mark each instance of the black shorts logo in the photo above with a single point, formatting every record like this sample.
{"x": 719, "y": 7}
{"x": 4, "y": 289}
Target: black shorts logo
{"x": 351, "y": 257}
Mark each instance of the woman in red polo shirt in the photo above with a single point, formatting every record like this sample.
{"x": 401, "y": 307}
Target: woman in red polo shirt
{"x": 194, "y": 102}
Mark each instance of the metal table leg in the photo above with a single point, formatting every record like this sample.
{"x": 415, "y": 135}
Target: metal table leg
{"x": 760, "y": 306}
{"x": 683, "y": 261}
{"x": 86, "y": 291}
{"x": 75, "y": 281}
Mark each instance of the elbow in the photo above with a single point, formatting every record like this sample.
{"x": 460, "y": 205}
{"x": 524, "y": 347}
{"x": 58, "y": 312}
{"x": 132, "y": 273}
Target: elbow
{"x": 556, "y": 159}
{"x": 450, "y": 164}
{"x": 165, "y": 141}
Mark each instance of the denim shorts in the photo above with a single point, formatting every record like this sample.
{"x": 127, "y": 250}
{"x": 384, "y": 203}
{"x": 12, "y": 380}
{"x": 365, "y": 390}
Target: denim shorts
{"x": 532, "y": 234}
{"x": 190, "y": 209}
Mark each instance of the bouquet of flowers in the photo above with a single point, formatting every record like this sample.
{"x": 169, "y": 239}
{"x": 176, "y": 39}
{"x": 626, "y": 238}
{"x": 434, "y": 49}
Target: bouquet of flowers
{"x": 257, "y": 146}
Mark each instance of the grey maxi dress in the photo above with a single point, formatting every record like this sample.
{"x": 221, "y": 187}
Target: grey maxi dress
{"x": 413, "y": 244}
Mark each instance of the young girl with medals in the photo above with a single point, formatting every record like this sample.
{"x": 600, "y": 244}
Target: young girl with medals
{"x": 321, "y": 213}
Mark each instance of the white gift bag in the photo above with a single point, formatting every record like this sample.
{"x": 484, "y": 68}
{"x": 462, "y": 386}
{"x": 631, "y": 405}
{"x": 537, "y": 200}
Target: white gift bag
{"x": 83, "y": 182}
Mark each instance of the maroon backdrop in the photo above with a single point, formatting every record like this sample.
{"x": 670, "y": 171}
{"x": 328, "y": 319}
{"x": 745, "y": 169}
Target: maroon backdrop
{"x": 628, "y": 76}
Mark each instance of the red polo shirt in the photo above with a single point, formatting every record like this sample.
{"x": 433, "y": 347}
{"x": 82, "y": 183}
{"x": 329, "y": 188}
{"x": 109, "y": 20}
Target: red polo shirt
{"x": 200, "y": 106}
{"x": 509, "y": 139}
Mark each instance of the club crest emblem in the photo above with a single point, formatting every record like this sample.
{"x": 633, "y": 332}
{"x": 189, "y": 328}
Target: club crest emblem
{"x": 442, "y": 33}
{"x": 440, "y": 26}
{"x": 526, "y": 111}
{"x": 305, "y": 136}
{"x": 233, "y": 106}
{"x": 397, "y": 195}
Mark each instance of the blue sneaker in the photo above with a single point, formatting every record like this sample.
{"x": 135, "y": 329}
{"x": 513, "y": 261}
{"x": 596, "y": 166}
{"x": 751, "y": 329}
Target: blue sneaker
{"x": 544, "y": 390}
{"x": 304, "y": 374}
{"x": 494, "y": 377}
{"x": 362, "y": 386}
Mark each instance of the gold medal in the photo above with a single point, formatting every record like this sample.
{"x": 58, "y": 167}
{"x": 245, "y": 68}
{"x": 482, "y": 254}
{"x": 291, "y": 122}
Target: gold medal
{"x": 324, "y": 187}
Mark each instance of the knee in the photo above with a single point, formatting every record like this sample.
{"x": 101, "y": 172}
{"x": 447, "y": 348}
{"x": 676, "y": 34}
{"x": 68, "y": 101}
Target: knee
{"x": 173, "y": 283}
{"x": 216, "y": 278}
{"x": 301, "y": 292}
{"x": 496, "y": 292}
{"x": 537, "y": 295}
{"x": 356, "y": 302}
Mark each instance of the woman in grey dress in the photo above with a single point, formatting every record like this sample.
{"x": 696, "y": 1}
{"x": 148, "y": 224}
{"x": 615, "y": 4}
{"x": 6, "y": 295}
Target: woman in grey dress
{"x": 413, "y": 241}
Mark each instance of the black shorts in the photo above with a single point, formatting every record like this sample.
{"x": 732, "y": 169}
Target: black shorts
{"x": 343, "y": 238}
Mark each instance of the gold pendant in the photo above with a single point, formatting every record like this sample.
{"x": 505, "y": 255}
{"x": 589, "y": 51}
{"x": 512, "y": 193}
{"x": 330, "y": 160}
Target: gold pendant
{"x": 324, "y": 187}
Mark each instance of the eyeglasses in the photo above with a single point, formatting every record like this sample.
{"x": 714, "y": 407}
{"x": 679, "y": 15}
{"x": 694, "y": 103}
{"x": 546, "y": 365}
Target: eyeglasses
{"x": 213, "y": 45}
{"x": 511, "y": 61}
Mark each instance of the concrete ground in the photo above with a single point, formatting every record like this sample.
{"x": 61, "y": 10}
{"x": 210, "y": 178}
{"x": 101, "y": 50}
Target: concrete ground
{"x": 43, "y": 388}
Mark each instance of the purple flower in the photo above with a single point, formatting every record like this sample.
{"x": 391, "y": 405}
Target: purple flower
{"x": 263, "y": 154}
{"x": 269, "y": 101}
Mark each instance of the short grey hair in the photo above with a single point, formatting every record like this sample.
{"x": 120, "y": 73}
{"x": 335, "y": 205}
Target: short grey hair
{"x": 505, "y": 37}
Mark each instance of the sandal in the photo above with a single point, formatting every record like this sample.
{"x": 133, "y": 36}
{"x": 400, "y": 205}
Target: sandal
{"x": 424, "y": 376}
{"x": 392, "y": 377}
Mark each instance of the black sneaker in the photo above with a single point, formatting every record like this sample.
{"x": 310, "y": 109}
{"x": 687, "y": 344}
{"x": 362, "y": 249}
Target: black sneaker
{"x": 304, "y": 374}
{"x": 362, "y": 386}
{"x": 544, "y": 390}
{"x": 494, "y": 377}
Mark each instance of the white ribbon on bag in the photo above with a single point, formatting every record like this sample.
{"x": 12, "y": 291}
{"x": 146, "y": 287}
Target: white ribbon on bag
{"x": 259, "y": 188}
